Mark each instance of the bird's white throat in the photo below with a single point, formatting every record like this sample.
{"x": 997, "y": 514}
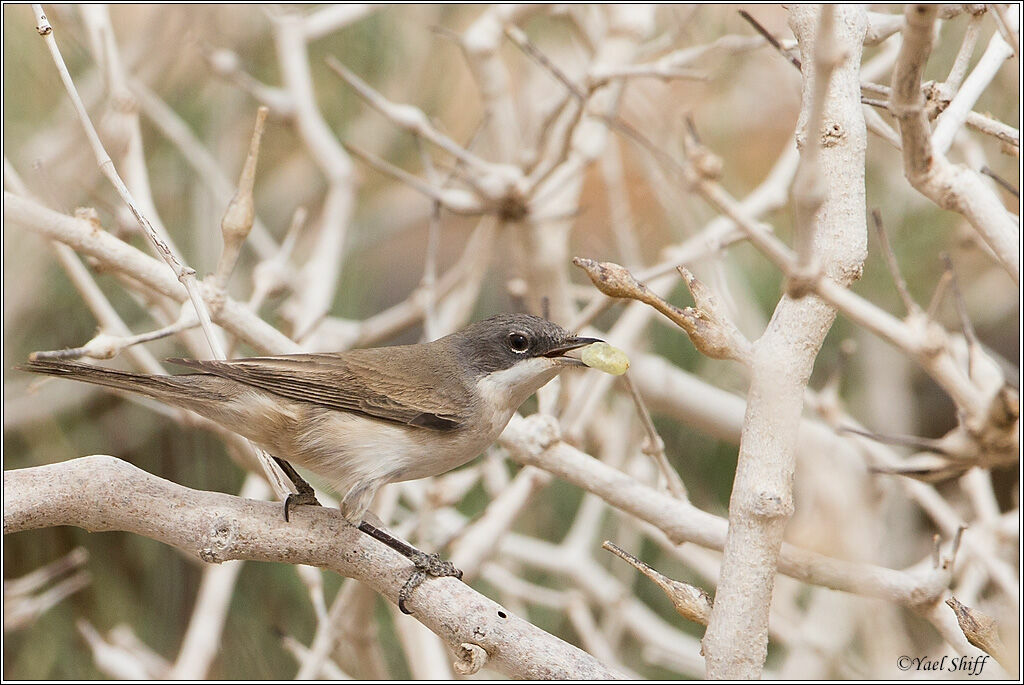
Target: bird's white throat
{"x": 504, "y": 391}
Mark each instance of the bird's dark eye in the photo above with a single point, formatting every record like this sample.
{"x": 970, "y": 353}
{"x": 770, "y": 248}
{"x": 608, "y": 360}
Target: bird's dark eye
{"x": 518, "y": 342}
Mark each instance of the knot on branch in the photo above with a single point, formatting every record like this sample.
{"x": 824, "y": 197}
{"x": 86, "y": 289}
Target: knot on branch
{"x": 937, "y": 98}
{"x": 832, "y": 134}
{"x": 512, "y": 207}
{"x": 706, "y": 163}
{"x": 213, "y": 296}
{"x": 540, "y": 432}
{"x": 220, "y": 536}
{"x": 472, "y": 658}
{"x": 994, "y": 436}
{"x": 930, "y": 335}
{"x": 1004, "y": 412}
{"x": 91, "y": 215}
{"x": 652, "y": 447}
{"x": 769, "y": 505}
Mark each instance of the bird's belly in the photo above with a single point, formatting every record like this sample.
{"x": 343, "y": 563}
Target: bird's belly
{"x": 441, "y": 452}
{"x": 348, "y": 448}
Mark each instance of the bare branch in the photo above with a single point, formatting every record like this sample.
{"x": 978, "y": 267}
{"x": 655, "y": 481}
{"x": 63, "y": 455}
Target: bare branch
{"x": 949, "y": 186}
{"x": 218, "y": 528}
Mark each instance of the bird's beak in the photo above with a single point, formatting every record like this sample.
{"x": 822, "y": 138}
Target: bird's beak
{"x": 569, "y": 345}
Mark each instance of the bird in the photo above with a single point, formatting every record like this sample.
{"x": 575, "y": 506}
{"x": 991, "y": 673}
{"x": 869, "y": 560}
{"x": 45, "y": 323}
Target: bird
{"x": 363, "y": 418}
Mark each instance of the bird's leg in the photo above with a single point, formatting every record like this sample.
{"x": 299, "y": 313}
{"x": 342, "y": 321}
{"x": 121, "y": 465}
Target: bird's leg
{"x": 424, "y": 564}
{"x": 306, "y": 495}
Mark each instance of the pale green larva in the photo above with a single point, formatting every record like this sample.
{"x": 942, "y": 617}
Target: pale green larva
{"x": 605, "y": 357}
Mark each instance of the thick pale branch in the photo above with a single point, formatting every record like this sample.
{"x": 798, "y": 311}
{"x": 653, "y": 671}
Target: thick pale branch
{"x": 761, "y": 503}
{"x": 833, "y": 236}
{"x": 101, "y": 493}
{"x": 535, "y": 442}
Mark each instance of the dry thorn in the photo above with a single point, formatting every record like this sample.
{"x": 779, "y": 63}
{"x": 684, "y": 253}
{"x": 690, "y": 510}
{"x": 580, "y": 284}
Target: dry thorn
{"x": 954, "y": 547}
{"x": 982, "y": 631}
{"x": 690, "y": 602}
{"x": 178, "y": 133}
{"x": 241, "y": 211}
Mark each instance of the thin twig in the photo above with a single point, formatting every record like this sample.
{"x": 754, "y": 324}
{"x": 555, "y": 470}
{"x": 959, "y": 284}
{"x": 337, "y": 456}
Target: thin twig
{"x": 1003, "y": 183}
{"x": 890, "y": 260}
{"x": 966, "y": 325}
{"x": 654, "y": 446}
{"x": 771, "y": 39}
{"x": 939, "y": 295}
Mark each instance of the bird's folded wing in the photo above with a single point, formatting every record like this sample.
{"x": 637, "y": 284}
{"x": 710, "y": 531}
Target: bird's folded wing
{"x": 360, "y": 383}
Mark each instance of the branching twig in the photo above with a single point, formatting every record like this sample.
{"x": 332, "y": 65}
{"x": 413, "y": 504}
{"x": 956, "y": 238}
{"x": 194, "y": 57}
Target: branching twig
{"x": 949, "y": 186}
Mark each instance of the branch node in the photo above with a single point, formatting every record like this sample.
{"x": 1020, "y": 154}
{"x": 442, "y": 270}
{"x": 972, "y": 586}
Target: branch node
{"x": 472, "y": 658}
{"x": 803, "y": 281}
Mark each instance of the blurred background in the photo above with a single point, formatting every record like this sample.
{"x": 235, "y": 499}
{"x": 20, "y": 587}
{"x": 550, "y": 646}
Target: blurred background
{"x": 198, "y": 73}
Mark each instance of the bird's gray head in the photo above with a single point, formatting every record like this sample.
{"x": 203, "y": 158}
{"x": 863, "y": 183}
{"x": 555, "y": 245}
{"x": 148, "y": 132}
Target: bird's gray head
{"x": 506, "y": 340}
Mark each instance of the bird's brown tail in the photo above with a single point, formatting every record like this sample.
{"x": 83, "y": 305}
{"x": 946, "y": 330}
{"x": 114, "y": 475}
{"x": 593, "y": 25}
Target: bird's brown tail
{"x": 174, "y": 390}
